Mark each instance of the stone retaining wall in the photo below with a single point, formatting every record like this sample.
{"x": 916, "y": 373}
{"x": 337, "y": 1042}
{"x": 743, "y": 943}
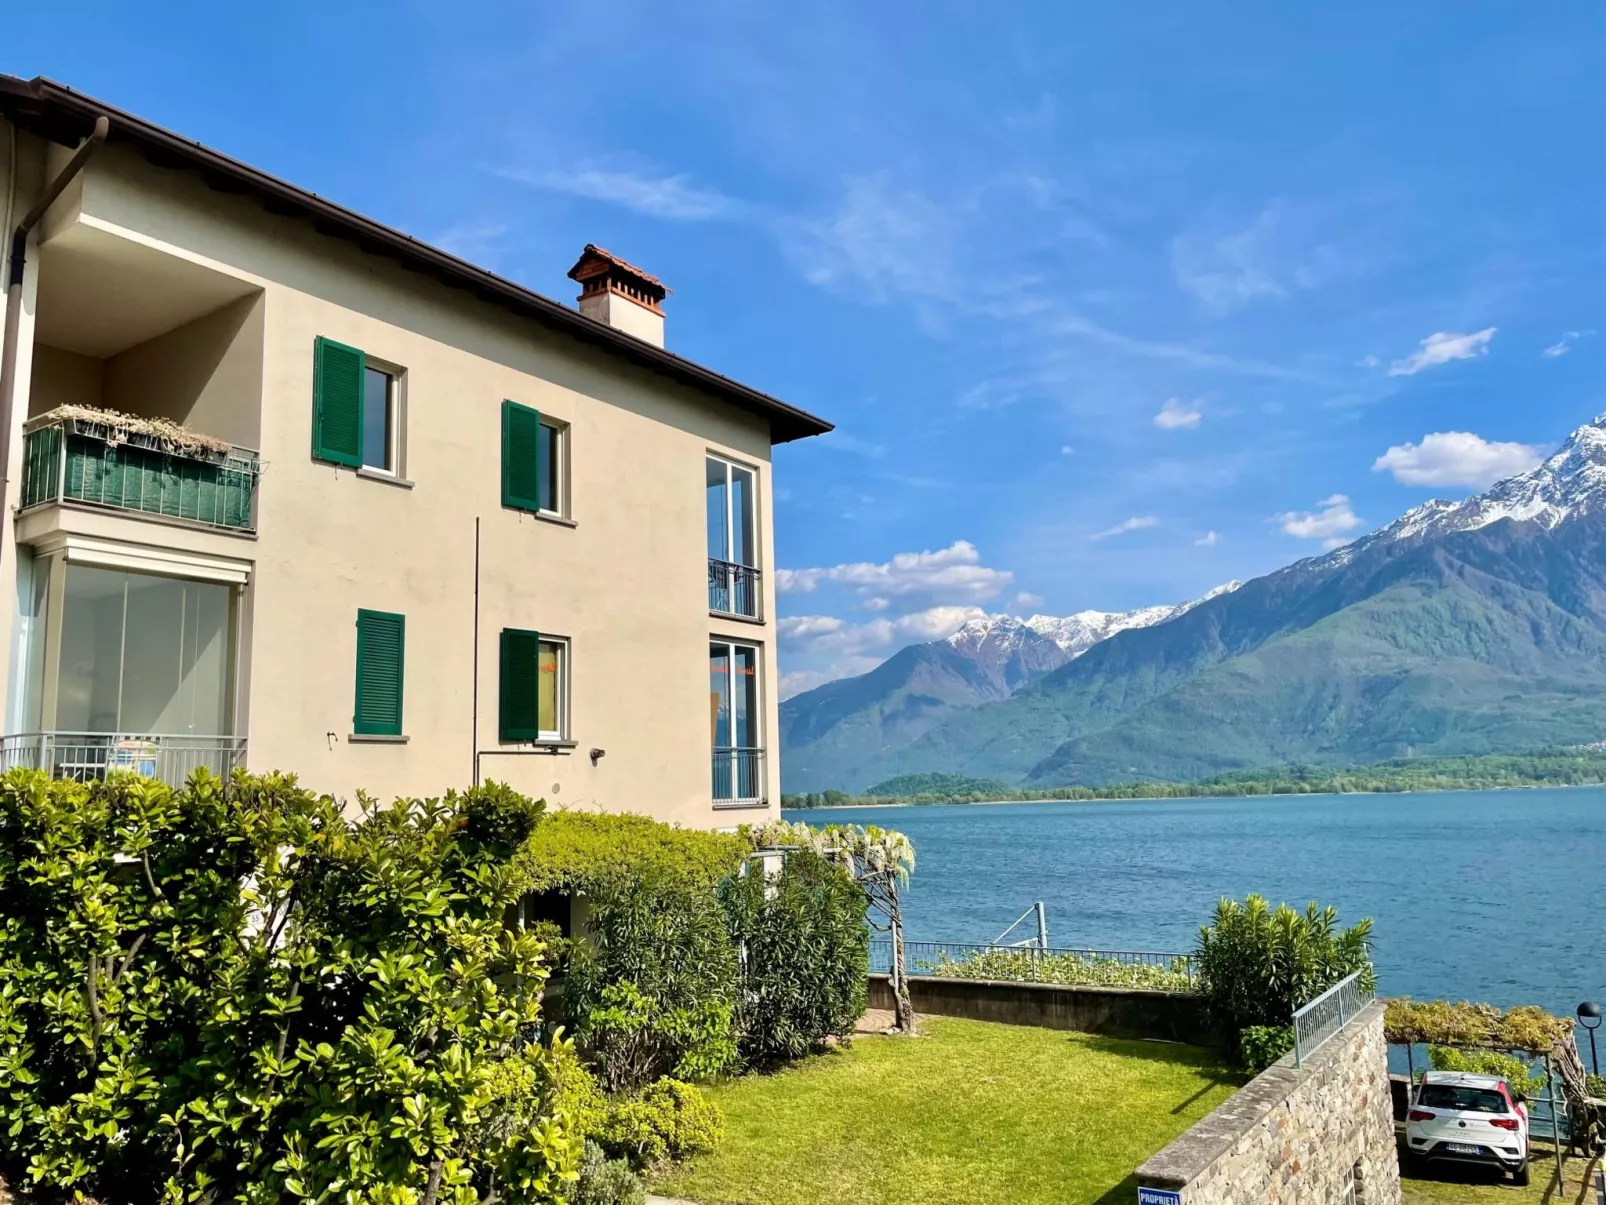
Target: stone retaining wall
{"x": 1114, "y": 1012}
{"x": 1295, "y": 1135}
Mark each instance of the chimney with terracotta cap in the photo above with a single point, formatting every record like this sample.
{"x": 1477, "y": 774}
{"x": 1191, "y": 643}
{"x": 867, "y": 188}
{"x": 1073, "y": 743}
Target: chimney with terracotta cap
{"x": 620, "y": 294}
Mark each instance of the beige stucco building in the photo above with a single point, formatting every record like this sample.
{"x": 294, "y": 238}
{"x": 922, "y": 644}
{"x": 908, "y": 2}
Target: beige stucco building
{"x": 440, "y": 526}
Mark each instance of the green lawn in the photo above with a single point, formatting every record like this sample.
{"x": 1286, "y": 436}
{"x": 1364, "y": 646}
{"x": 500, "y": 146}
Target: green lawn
{"x": 1451, "y": 1185}
{"x": 968, "y": 1112}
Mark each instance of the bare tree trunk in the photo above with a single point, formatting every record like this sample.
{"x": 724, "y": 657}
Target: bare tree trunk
{"x": 903, "y": 1011}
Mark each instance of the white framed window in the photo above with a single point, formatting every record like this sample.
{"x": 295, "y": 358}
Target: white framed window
{"x": 383, "y": 414}
{"x": 736, "y": 723}
{"x": 554, "y": 460}
{"x": 552, "y": 695}
{"x": 732, "y": 510}
{"x": 533, "y": 695}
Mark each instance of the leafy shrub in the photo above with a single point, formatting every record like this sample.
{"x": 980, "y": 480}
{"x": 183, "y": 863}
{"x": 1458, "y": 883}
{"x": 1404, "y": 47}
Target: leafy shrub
{"x": 605, "y": 1181}
{"x": 582, "y": 851}
{"x": 1257, "y": 965}
{"x": 651, "y": 990}
{"x": 665, "y": 1121}
{"x": 807, "y": 956}
{"x": 1259, "y": 1046}
{"x": 568, "y": 1089}
{"x": 1523, "y": 1079}
{"x": 233, "y": 991}
{"x": 1029, "y": 966}
{"x": 1595, "y": 1085}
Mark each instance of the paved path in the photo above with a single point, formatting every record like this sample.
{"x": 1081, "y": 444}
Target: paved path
{"x": 652, "y": 1200}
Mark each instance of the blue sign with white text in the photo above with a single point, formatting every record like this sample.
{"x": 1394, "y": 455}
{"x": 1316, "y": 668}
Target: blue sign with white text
{"x": 1158, "y": 1196}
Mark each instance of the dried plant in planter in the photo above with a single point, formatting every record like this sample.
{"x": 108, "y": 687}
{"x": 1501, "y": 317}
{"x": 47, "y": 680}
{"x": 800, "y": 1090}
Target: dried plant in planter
{"x": 165, "y": 433}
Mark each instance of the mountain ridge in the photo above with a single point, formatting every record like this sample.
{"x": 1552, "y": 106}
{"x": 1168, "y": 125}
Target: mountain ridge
{"x": 1471, "y": 626}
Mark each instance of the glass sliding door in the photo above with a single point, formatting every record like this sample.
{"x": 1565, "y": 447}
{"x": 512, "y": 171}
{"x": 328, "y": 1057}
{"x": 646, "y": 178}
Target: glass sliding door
{"x": 735, "y": 723}
{"x": 732, "y": 513}
{"x": 144, "y": 655}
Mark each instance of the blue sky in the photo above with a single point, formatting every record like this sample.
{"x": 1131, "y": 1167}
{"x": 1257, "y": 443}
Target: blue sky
{"x": 1111, "y": 303}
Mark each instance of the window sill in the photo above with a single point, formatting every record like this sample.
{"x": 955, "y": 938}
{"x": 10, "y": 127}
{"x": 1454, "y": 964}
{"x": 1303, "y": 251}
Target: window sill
{"x": 375, "y": 738}
{"x": 756, "y": 620}
{"x": 545, "y": 516}
{"x": 737, "y": 805}
{"x": 368, "y": 474}
{"x": 541, "y": 746}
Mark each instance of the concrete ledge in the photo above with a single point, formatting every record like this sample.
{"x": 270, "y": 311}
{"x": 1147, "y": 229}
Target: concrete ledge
{"x": 1113, "y": 1012}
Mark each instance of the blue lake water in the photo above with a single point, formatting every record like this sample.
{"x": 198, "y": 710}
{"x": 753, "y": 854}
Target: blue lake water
{"x": 1483, "y": 895}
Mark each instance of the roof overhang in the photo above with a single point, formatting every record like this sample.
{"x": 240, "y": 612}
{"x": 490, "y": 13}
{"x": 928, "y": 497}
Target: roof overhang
{"x": 55, "y": 112}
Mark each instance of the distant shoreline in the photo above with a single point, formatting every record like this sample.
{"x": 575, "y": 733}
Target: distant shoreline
{"x": 983, "y": 803}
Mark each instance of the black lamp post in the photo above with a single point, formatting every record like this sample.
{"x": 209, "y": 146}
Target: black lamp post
{"x": 1589, "y": 1018}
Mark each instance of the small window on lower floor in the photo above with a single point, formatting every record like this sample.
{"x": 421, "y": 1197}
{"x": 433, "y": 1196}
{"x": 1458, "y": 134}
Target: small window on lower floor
{"x": 533, "y": 703}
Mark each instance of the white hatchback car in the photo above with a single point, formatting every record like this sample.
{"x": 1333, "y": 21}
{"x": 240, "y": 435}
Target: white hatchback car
{"x": 1471, "y": 1119}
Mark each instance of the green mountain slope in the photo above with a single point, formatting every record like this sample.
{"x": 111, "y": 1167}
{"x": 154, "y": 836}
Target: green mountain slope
{"x": 1468, "y": 642}
{"x": 856, "y": 720}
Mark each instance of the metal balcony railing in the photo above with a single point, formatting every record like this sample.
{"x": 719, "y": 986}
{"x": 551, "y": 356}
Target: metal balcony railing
{"x": 81, "y": 460}
{"x": 733, "y": 589}
{"x": 1324, "y": 1016}
{"x": 738, "y": 777}
{"x": 90, "y": 756}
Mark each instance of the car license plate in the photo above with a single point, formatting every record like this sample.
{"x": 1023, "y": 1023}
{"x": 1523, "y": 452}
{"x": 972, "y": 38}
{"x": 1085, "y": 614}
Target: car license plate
{"x": 1461, "y": 1148}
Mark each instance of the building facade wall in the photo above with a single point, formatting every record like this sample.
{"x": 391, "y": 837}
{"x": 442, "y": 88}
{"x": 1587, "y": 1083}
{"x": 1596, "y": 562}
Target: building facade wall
{"x": 1295, "y": 1135}
{"x": 625, "y": 581}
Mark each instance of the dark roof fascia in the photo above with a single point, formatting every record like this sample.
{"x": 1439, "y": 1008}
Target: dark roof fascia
{"x": 55, "y": 112}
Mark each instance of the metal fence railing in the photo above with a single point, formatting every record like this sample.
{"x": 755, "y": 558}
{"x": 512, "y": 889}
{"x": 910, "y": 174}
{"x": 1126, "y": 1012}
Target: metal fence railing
{"x": 79, "y": 461}
{"x": 922, "y": 957}
{"x": 738, "y": 777}
{"x": 90, "y": 756}
{"x": 1330, "y": 1012}
{"x": 733, "y": 589}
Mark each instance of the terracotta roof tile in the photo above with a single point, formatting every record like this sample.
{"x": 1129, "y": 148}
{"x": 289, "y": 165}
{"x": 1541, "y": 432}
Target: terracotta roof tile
{"x": 593, "y": 253}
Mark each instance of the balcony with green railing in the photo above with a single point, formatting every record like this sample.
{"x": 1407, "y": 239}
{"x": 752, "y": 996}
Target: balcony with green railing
{"x": 149, "y": 467}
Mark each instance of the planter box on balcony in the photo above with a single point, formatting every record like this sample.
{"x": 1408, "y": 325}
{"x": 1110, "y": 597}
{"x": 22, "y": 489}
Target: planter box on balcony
{"x": 80, "y": 461}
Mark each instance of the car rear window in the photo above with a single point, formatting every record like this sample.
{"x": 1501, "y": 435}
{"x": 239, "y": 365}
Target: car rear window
{"x": 1455, "y": 1096}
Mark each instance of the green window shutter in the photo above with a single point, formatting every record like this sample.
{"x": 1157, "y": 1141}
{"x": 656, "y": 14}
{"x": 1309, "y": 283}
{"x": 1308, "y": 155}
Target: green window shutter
{"x": 381, "y": 642}
{"x": 337, "y": 402}
{"x": 518, "y": 711}
{"x": 521, "y": 457}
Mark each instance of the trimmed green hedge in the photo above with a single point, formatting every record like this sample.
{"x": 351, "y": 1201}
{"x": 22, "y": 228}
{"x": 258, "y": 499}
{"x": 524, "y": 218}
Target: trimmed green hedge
{"x": 577, "y": 851}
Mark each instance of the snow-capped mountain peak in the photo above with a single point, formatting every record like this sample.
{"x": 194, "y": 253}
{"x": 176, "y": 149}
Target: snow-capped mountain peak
{"x": 1072, "y": 634}
{"x": 1569, "y": 483}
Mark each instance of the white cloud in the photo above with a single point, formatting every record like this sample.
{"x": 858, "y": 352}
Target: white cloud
{"x": 1067, "y": 450}
{"x": 881, "y": 239}
{"x": 1135, "y": 523}
{"x": 1177, "y": 414}
{"x": 1368, "y": 362}
{"x": 1441, "y": 347}
{"x": 1565, "y": 344}
{"x": 477, "y": 243}
{"x": 804, "y": 628}
{"x": 672, "y": 197}
{"x": 1277, "y": 254}
{"x": 1209, "y": 540}
{"x": 1027, "y": 599}
{"x": 1332, "y": 517}
{"x": 1229, "y": 271}
{"x": 948, "y": 575}
{"x": 799, "y": 680}
{"x": 837, "y": 639}
{"x": 1456, "y": 458}
{"x": 936, "y": 622}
